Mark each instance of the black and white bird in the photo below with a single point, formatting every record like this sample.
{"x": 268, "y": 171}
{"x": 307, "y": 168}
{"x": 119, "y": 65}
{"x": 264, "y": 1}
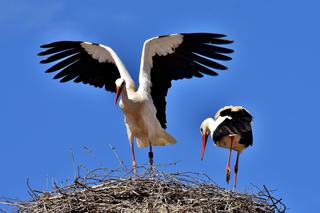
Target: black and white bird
{"x": 230, "y": 129}
{"x": 164, "y": 58}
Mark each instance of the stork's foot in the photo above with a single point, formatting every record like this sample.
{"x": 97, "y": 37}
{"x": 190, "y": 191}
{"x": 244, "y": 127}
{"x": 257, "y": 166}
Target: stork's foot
{"x": 235, "y": 180}
{"x": 236, "y": 172}
{"x": 235, "y": 183}
{"x": 134, "y": 166}
{"x": 228, "y": 175}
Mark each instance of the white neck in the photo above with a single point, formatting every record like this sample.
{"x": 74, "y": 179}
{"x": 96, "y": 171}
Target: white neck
{"x": 124, "y": 96}
{"x": 122, "y": 69}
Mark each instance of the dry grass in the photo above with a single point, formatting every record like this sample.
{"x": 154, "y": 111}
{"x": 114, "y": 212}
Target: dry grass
{"x": 103, "y": 191}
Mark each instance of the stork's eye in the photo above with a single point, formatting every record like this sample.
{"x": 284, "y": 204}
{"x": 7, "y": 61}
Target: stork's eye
{"x": 201, "y": 129}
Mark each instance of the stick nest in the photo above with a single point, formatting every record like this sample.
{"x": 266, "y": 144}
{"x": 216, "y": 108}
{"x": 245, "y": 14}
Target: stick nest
{"x": 156, "y": 192}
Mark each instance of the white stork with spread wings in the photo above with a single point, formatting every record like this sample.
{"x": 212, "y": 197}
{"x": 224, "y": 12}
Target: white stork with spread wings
{"x": 164, "y": 58}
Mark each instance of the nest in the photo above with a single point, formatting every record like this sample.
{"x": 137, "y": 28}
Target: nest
{"x": 155, "y": 192}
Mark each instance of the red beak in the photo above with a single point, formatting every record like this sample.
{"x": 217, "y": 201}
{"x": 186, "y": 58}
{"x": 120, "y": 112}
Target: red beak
{"x": 118, "y": 93}
{"x": 204, "y": 143}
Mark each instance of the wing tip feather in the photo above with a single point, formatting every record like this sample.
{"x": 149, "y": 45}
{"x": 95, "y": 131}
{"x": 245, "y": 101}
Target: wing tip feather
{"x": 44, "y": 61}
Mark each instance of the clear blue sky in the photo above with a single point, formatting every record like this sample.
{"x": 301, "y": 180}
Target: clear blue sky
{"x": 274, "y": 73}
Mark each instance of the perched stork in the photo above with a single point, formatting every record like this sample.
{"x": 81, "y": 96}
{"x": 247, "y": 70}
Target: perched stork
{"x": 231, "y": 129}
{"x": 164, "y": 58}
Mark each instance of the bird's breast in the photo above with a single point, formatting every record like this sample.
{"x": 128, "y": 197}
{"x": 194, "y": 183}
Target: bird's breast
{"x": 225, "y": 142}
{"x": 139, "y": 118}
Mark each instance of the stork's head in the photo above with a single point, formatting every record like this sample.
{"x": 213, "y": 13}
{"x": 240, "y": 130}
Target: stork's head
{"x": 120, "y": 84}
{"x": 205, "y": 131}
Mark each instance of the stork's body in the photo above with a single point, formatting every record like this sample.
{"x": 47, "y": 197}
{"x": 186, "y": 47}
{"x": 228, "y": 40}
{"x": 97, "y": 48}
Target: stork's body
{"x": 230, "y": 129}
{"x": 164, "y": 58}
{"x": 141, "y": 121}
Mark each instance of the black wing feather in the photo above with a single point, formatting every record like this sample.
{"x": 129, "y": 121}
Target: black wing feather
{"x": 237, "y": 113}
{"x": 52, "y": 50}
{"x": 194, "y": 57}
{"x": 64, "y": 63}
{"x": 59, "y": 56}
{"x": 236, "y": 125}
{"x": 74, "y": 63}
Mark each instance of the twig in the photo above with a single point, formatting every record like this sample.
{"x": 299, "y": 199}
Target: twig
{"x": 93, "y": 155}
{"x": 31, "y": 191}
{"x": 113, "y": 149}
{"x": 75, "y": 170}
{"x": 275, "y": 203}
{"x": 11, "y": 204}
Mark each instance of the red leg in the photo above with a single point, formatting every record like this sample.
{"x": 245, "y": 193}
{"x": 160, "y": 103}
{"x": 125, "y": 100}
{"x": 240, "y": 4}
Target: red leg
{"x": 229, "y": 157}
{"x": 151, "y": 158}
{"x": 134, "y": 163}
{"x": 236, "y": 172}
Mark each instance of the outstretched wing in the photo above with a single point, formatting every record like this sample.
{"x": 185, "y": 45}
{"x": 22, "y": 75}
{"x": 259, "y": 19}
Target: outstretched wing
{"x": 85, "y": 62}
{"x": 178, "y": 56}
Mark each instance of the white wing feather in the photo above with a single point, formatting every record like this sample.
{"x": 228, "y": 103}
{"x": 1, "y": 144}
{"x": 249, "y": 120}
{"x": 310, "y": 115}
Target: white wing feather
{"x": 160, "y": 46}
{"x": 98, "y": 52}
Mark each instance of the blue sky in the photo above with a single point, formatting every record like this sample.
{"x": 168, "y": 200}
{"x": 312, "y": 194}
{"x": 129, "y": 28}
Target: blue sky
{"x": 274, "y": 74}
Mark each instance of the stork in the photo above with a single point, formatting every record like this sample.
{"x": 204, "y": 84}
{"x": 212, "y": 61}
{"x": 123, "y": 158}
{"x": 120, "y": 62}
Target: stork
{"x": 230, "y": 129}
{"x": 164, "y": 58}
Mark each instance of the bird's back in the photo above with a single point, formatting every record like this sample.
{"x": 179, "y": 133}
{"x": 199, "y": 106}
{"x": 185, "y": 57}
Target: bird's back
{"x": 234, "y": 112}
{"x": 238, "y": 122}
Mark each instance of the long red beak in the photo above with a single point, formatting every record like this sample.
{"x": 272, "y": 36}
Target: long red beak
{"x": 118, "y": 93}
{"x": 204, "y": 143}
